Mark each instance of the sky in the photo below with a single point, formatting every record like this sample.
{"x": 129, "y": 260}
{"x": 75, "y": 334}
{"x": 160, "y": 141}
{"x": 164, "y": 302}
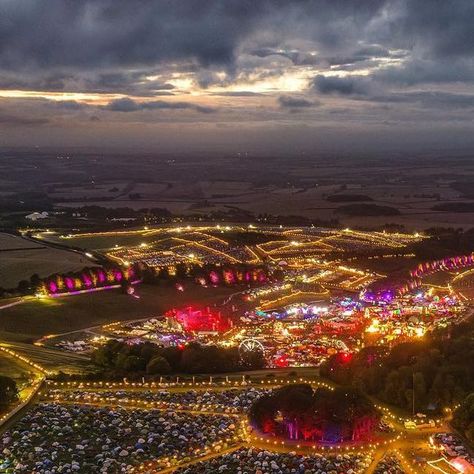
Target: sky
{"x": 237, "y": 75}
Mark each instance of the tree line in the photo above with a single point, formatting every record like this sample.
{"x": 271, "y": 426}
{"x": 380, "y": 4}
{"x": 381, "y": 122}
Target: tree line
{"x": 117, "y": 359}
{"x": 463, "y": 418}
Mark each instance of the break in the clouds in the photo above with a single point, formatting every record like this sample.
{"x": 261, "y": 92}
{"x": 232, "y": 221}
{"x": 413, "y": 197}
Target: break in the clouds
{"x": 241, "y": 66}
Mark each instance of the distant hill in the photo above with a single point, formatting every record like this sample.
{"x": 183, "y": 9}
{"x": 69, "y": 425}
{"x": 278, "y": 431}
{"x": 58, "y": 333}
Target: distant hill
{"x": 454, "y": 207}
{"x": 367, "y": 210}
{"x": 348, "y": 198}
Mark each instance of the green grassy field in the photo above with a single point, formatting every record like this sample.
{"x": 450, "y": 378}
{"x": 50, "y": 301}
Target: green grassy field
{"x": 20, "y": 258}
{"x": 14, "y": 368}
{"x": 39, "y": 317}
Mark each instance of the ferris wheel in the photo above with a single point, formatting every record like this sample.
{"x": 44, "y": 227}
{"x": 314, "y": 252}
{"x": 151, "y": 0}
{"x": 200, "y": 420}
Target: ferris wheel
{"x": 250, "y": 346}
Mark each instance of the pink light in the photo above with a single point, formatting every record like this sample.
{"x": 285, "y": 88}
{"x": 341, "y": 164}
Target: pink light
{"x": 214, "y": 277}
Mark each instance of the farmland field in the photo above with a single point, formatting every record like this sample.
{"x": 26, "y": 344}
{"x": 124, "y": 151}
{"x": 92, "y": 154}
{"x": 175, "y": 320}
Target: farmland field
{"x": 21, "y": 258}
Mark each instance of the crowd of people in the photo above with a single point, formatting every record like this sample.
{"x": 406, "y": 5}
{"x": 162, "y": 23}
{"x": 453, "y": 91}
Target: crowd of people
{"x": 265, "y": 462}
{"x": 74, "y": 438}
{"x": 226, "y": 401}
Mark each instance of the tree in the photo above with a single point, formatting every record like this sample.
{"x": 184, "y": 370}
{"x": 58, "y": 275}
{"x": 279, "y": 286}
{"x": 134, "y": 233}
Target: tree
{"x": 193, "y": 360}
{"x": 173, "y": 356}
{"x": 181, "y": 271}
{"x": 463, "y": 417}
{"x": 8, "y": 390}
{"x": 147, "y": 350}
{"x": 420, "y": 390}
{"x": 130, "y": 363}
{"x": 24, "y": 287}
{"x": 158, "y": 366}
{"x": 105, "y": 356}
{"x": 253, "y": 360}
{"x": 35, "y": 280}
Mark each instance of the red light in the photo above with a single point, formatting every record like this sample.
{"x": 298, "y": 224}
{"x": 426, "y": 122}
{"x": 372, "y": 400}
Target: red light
{"x": 345, "y": 357}
{"x": 281, "y": 361}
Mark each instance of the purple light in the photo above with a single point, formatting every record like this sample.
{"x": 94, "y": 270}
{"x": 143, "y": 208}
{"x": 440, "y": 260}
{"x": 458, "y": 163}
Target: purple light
{"x": 69, "y": 283}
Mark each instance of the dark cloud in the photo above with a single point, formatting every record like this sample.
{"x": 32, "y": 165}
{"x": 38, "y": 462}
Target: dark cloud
{"x": 136, "y": 83}
{"x": 432, "y": 28}
{"x": 98, "y": 33}
{"x": 128, "y": 105}
{"x": 410, "y": 59}
{"x": 414, "y": 72}
{"x": 309, "y": 58}
{"x": 348, "y": 85}
{"x": 48, "y": 82}
{"x": 116, "y": 45}
{"x": 67, "y": 104}
{"x": 123, "y": 105}
{"x": 291, "y": 102}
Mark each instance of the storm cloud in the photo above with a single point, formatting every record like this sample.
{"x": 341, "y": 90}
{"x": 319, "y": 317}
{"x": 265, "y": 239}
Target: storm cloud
{"x": 394, "y": 62}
